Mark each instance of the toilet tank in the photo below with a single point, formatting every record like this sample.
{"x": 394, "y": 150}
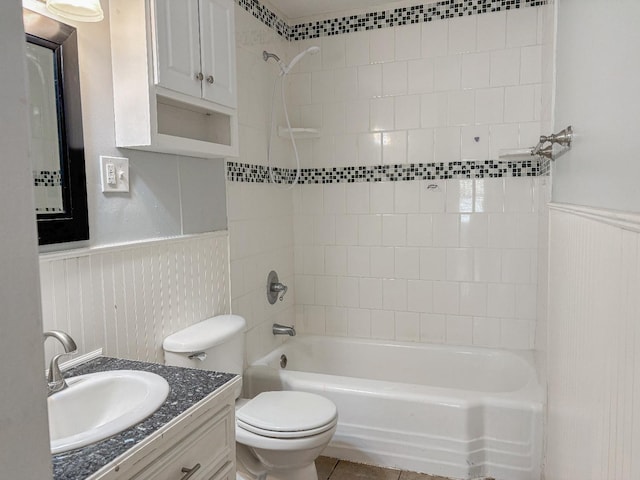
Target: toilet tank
{"x": 216, "y": 344}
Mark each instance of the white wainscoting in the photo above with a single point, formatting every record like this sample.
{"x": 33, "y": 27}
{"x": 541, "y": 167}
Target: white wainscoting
{"x": 125, "y": 299}
{"x": 593, "y": 428}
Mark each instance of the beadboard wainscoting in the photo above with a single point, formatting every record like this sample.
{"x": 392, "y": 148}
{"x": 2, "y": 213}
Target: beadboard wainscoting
{"x": 593, "y": 344}
{"x": 125, "y": 299}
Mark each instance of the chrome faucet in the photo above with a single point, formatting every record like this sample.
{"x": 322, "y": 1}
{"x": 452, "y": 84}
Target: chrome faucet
{"x": 275, "y": 288}
{"x": 55, "y": 380}
{"x": 283, "y": 330}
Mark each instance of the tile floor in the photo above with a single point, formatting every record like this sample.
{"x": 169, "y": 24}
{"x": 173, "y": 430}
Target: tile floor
{"x": 333, "y": 469}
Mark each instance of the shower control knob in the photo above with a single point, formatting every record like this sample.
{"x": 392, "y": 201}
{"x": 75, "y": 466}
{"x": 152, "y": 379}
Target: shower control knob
{"x": 199, "y": 76}
{"x": 210, "y": 79}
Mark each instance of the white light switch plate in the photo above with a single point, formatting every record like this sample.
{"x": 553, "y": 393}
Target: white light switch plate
{"x": 115, "y": 174}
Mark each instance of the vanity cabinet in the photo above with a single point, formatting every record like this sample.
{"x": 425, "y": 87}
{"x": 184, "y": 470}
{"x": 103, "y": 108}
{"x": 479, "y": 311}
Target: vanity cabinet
{"x": 201, "y": 441}
{"x": 174, "y": 79}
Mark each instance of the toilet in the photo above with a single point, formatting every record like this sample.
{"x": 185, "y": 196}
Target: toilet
{"x": 279, "y": 434}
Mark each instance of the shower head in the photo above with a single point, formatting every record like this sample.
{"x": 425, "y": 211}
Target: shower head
{"x": 287, "y": 68}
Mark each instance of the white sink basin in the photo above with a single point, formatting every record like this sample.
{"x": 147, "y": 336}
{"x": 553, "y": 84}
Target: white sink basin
{"x": 99, "y": 405}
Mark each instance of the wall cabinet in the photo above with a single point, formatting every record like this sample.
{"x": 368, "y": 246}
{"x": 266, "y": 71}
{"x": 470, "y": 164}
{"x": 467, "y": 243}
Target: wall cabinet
{"x": 174, "y": 76}
{"x": 195, "y": 49}
{"x": 201, "y": 441}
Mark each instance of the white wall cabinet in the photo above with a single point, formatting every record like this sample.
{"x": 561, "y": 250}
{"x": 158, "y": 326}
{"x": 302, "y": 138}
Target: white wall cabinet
{"x": 174, "y": 76}
{"x": 195, "y": 48}
{"x": 201, "y": 441}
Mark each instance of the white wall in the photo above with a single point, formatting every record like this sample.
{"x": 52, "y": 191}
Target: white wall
{"x": 597, "y": 92}
{"x": 593, "y": 424}
{"x": 396, "y": 260}
{"x": 23, "y": 419}
{"x": 170, "y": 195}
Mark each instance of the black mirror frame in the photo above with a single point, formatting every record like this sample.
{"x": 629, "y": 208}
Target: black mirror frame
{"x": 73, "y": 224}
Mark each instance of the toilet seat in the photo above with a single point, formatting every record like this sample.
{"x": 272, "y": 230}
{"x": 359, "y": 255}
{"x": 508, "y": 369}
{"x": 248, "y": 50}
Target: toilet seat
{"x": 287, "y": 414}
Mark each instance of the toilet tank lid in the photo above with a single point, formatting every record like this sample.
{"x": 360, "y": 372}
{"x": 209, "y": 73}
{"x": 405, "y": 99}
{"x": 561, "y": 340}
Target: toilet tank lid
{"x": 205, "y": 334}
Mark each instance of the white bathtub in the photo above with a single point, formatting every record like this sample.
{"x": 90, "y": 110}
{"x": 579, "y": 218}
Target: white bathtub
{"x": 459, "y": 412}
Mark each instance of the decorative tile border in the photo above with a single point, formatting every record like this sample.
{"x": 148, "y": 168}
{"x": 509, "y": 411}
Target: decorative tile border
{"x": 242, "y": 172}
{"x": 420, "y": 13}
{"x": 47, "y": 178}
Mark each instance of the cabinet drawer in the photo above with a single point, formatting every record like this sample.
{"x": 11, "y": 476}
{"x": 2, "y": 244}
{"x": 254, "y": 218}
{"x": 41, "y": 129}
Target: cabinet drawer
{"x": 211, "y": 445}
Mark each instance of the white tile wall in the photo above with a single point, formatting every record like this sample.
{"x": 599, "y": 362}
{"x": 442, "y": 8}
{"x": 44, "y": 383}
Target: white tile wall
{"x": 456, "y": 263}
{"x": 481, "y": 71}
{"x": 127, "y": 299}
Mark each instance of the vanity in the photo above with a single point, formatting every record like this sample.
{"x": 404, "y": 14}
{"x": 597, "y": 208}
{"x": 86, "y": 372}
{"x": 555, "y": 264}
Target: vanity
{"x": 190, "y": 436}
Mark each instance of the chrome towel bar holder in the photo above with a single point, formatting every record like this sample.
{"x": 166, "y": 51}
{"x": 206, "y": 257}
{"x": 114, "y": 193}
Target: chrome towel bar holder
{"x": 562, "y": 138}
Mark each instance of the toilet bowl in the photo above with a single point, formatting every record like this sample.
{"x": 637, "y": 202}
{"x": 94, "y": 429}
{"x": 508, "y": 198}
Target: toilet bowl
{"x": 278, "y": 434}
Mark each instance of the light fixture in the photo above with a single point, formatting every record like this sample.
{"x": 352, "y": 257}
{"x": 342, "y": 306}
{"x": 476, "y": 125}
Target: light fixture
{"x": 78, "y": 10}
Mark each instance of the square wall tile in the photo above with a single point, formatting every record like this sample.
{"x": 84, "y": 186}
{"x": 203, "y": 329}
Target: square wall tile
{"x": 459, "y": 330}
{"x": 490, "y": 105}
{"x": 370, "y": 81}
{"x": 382, "y": 197}
{"x": 357, "y": 116}
{"x": 420, "y": 76}
{"x": 346, "y": 229}
{"x": 347, "y": 292}
{"x": 489, "y": 195}
{"x": 518, "y": 195}
{"x": 359, "y": 321}
{"x": 435, "y": 38}
{"x": 358, "y": 263}
{"x": 486, "y": 331}
{"x": 433, "y": 263}
{"x": 336, "y": 321}
{"x": 505, "y": 67}
{"x": 420, "y": 146}
{"x": 407, "y": 112}
{"x": 446, "y": 297}
{"x": 433, "y": 196}
{"x": 501, "y": 300}
{"x": 357, "y": 48}
{"x": 314, "y": 319}
{"x": 530, "y": 65}
{"x": 446, "y": 230}
{"x": 335, "y": 260}
{"x": 474, "y": 230}
{"x": 522, "y": 27}
{"x": 371, "y": 293}
{"x": 407, "y": 197}
{"x": 407, "y": 262}
{"x": 358, "y": 198}
{"x": 324, "y": 230}
{"x": 447, "y": 73}
{"x": 447, "y": 144}
{"x": 326, "y": 290}
{"x": 408, "y": 42}
{"x": 420, "y": 296}
{"x": 370, "y": 230}
{"x": 407, "y": 326}
{"x": 432, "y": 328}
{"x": 473, "y": 299}
{"x": 370, "y": 148}
{"x": 382, "y": 45}
{"x": 333, "y": 51}
{"x": 459, "y": 264}
{"x": 394, "y": 78}
{"x": 394, "y": 230}
{"x": 394, "y": 147}
{"x": 382, "y": 262}
{"x": 419, "y": 230}
{"x": 492, "y": 31}
{"x": 382, "y": 324}
{"x": 462, "y": 34}
{"x": 502, "y": 137}
{"x": 382, "y": 114}
{"x": 394, "y": 294}
{"x": 461, "y": 107}
{"x": 305, "y": 289}
{"x": 475, "y": 142}
{"x": 516, "y": 266}
{"x": 487, "y": 265}
{"x": 519, "y": 103}
{"x": 334, "y": 199}
{"x": 476, "y": 70}
{"x": 460, "y": 196}
{"x": 434, "y": 110}
{"x": 517, "y": 334}
{"x": 322, "y": 86}
{"x": 346, "y": 87}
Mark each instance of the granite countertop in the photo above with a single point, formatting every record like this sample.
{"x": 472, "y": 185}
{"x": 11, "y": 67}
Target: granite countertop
{"x": 188, "y": 387}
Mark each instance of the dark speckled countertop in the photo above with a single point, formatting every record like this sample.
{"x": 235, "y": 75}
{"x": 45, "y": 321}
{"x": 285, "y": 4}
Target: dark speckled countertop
{"x": 188, "y": 387}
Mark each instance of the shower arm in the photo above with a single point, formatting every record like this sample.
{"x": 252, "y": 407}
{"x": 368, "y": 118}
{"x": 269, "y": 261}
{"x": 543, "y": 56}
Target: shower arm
{"x": 563, "y": 138}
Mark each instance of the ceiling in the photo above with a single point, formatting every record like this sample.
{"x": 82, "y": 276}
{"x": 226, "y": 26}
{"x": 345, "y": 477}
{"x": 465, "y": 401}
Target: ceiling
{"x": 294, "y": 9}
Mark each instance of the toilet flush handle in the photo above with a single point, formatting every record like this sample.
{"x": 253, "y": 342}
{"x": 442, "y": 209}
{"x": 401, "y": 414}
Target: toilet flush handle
{"x": 198, "y": 355}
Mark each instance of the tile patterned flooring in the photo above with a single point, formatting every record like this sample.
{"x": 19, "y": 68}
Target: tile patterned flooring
{"x": 333, "y": 469}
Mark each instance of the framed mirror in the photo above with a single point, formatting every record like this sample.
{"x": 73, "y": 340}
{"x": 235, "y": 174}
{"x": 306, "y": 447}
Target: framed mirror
{"x": 57, "y": 145}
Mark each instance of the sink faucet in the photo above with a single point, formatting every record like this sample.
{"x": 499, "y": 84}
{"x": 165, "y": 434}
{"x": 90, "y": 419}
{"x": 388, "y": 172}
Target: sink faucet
{"x": 55, "y": 380}
{"x": 283, "y": 330}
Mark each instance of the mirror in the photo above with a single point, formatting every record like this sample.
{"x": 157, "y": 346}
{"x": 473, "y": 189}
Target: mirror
{"x": 57, "y": 145}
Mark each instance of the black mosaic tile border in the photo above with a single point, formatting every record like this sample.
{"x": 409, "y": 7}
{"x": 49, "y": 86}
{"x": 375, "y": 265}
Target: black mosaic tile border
{"x": 420, "y": 13}
{"x": 47, "y": 178}
{"x": 242, "y": 172}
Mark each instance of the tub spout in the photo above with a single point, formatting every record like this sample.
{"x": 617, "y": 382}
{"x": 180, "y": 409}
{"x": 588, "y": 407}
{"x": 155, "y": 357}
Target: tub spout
{"x": 283, "y": 330}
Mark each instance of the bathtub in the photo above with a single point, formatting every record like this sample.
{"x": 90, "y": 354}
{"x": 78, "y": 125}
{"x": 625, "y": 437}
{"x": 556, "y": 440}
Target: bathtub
{"x": 458, "y": 412}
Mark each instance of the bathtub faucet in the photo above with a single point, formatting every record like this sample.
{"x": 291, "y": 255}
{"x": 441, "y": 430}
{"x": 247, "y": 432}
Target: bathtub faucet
{"x": 283, "y": 330}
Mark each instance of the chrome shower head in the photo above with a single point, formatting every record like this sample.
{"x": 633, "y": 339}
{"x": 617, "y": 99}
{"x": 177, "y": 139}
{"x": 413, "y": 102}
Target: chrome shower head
{"x": 284, "y": 69}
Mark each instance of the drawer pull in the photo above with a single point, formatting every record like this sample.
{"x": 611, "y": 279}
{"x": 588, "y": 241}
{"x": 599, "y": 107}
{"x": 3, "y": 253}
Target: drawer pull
{"x": 189, "y": 472}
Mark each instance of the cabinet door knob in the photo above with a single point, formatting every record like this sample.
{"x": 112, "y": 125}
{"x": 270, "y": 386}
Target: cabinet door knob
{"x": 189, "y": 472}
{"x": 199, "y": 76}
{"x": 210, "y": 79}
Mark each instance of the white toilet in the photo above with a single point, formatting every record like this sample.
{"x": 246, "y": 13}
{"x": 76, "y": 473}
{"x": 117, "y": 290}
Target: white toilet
{"x": 278, "y": 433}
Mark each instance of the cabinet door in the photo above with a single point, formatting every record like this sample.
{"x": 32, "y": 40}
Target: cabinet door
{"x": 177, "y": 46}
{"x": 217, "y": 32}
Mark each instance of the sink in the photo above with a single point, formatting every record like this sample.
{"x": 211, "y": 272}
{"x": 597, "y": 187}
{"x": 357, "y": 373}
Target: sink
{"x": 99, "y": 405}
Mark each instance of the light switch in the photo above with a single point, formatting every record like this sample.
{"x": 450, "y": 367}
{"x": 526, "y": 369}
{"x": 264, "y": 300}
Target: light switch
{"x": 115, "y": 174}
